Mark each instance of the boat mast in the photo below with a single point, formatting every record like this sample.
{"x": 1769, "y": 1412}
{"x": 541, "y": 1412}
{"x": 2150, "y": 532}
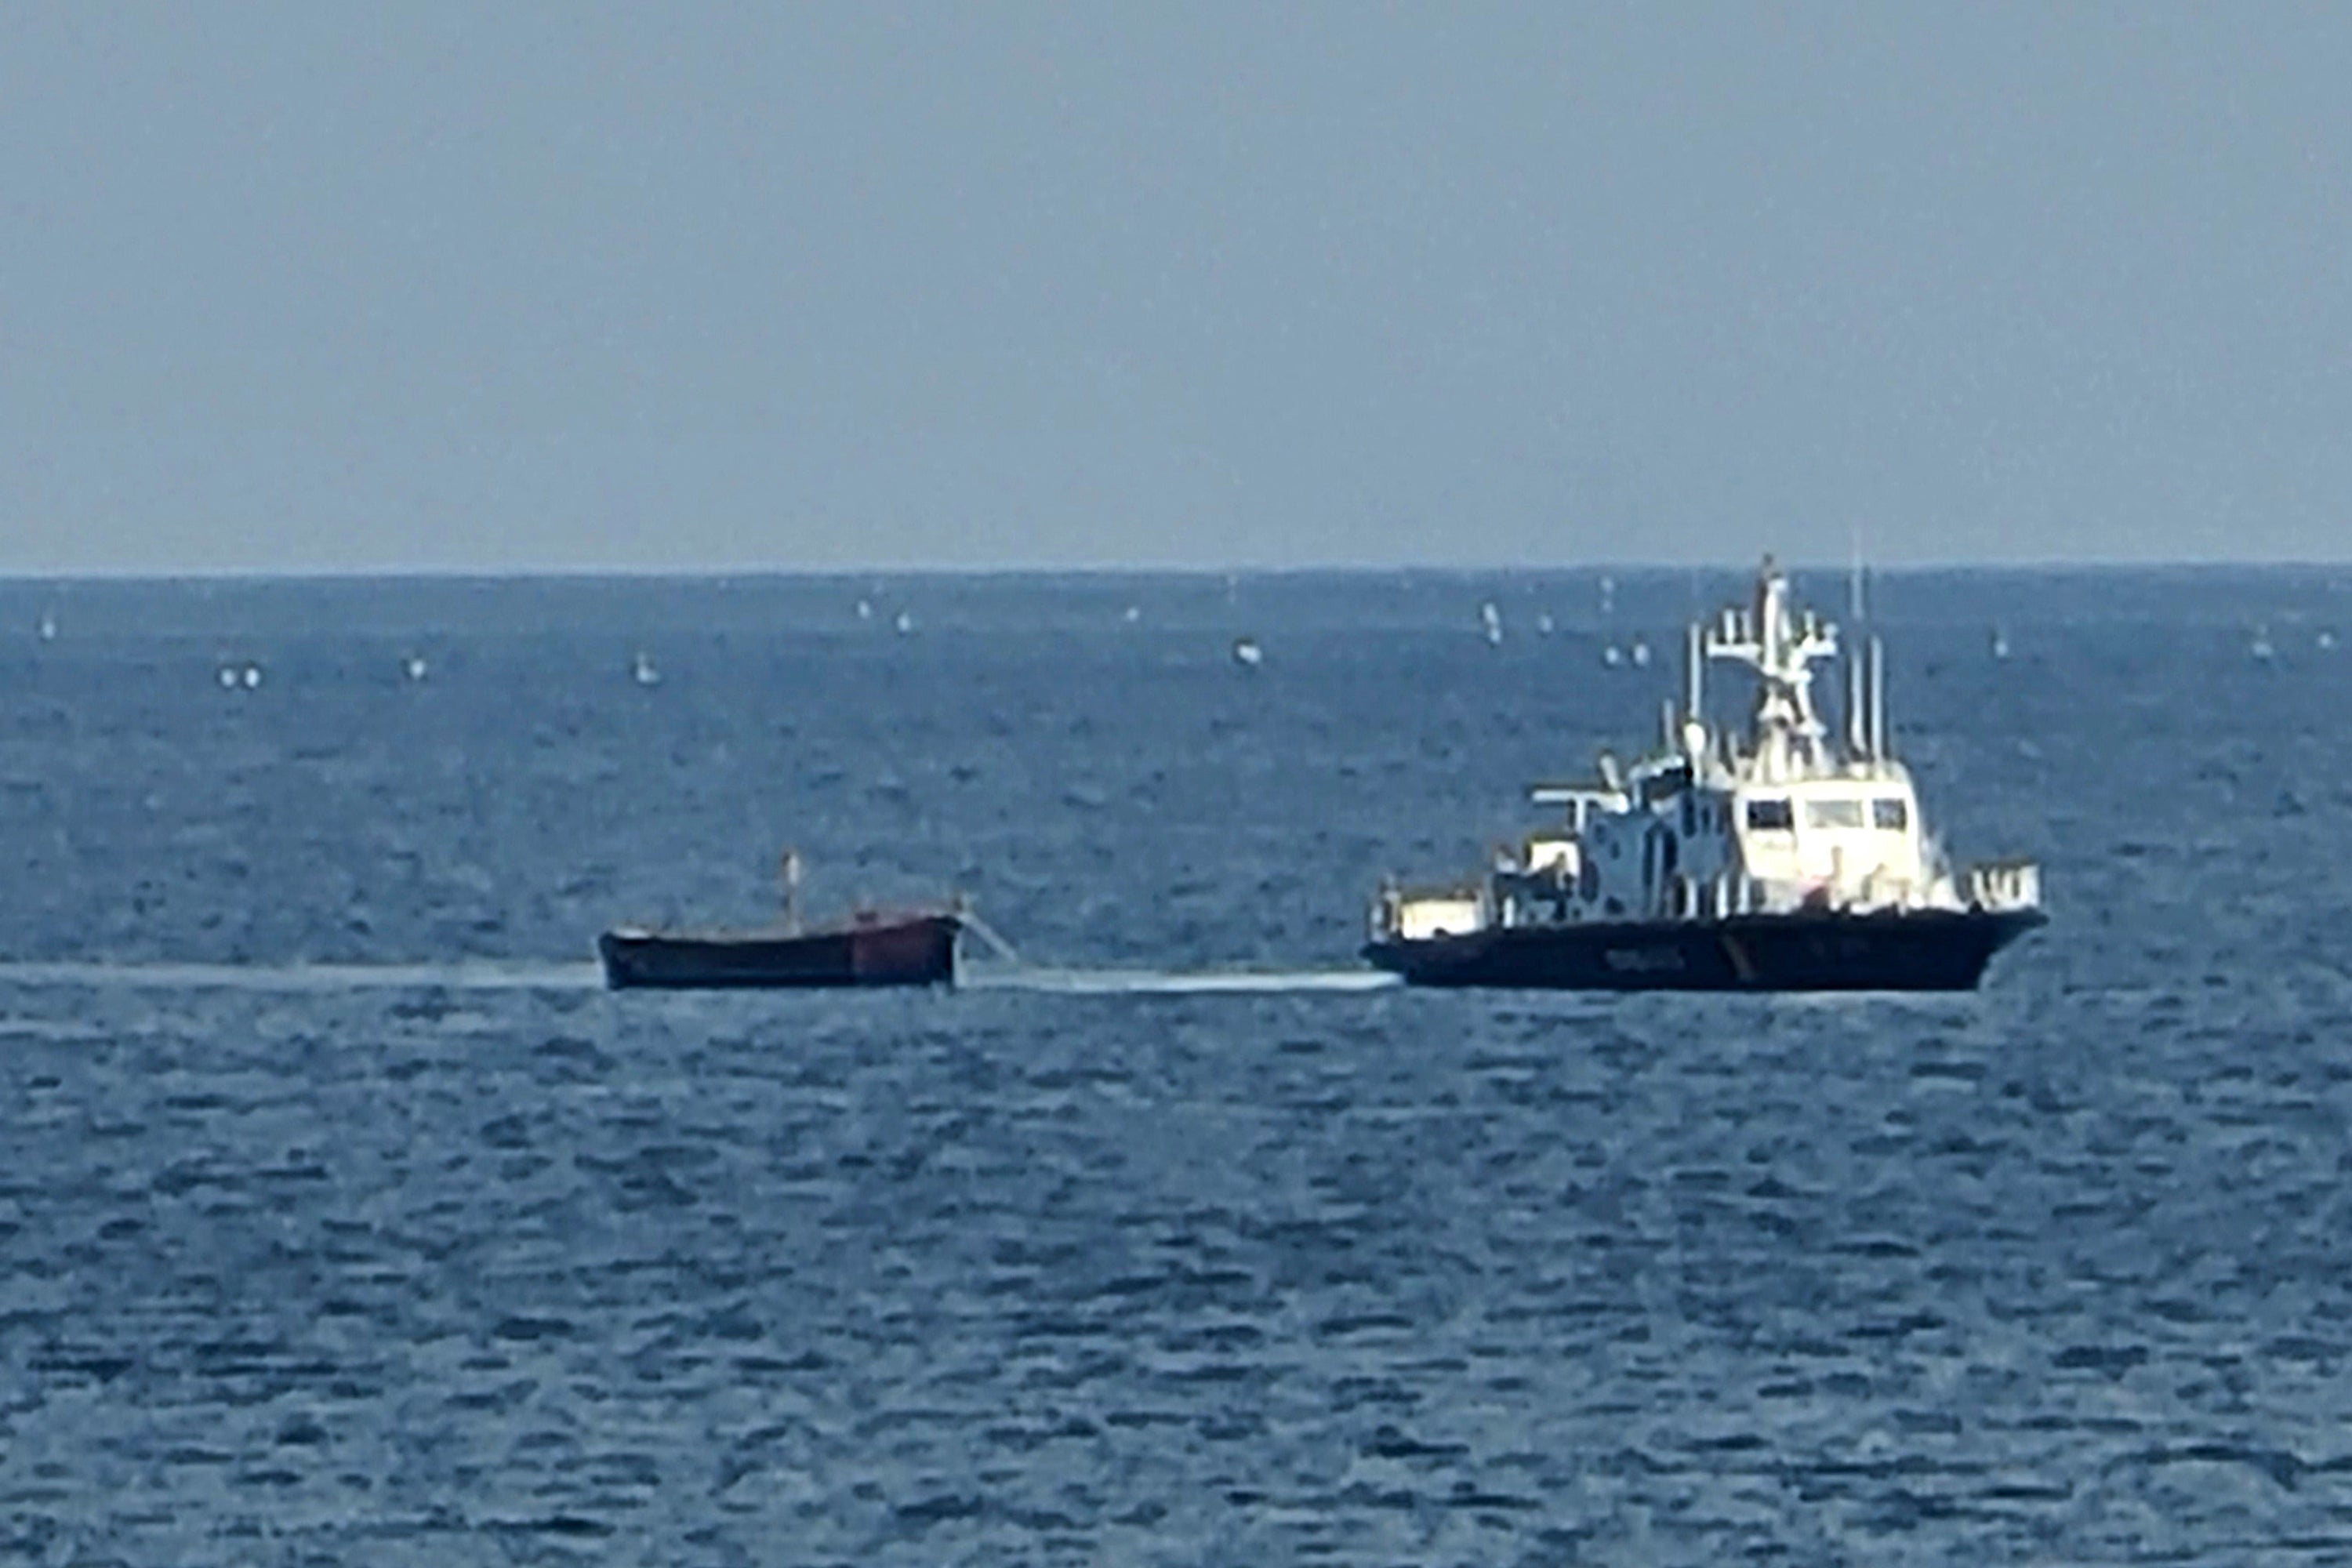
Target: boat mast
{"x": 1877, "y": 698}
{"x": 1694, "y": 735}
{"x": 1854, "y": 598}
{"x": 1861, "y": 732}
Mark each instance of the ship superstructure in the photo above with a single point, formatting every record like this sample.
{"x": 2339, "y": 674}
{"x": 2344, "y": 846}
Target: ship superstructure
{"x": 1784, "y": 857}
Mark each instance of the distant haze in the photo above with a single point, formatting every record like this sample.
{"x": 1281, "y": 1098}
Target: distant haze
{"x": 316, "y": 287}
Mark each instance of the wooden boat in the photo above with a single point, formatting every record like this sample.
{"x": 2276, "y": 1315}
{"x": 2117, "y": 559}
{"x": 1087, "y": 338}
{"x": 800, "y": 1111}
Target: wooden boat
{"x": 870, "y": 948}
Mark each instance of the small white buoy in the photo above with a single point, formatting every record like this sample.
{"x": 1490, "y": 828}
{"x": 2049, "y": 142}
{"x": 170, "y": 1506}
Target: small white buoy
{"x": 642, "y": 671}
{"x": 864, "y": 610}
{"x": 2261, "y": 648}
{"x": 49, "y": 628}
{"x": 229, "y": 678}
{"x": 1247, "y": 654}
{"x": 1640, "y": 654}
{"x": 904, "y": 624}
{"x": 2000, "y": 643}
{"x": 1612, "y": 657}
{"x": 252, "y": 676}
{"x": 412, "y": 667}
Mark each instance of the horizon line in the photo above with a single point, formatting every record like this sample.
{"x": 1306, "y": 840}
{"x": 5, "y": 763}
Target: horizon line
{"x": 714, "y": 572}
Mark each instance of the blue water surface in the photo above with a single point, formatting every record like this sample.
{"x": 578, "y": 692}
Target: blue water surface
{"x": 347, "y": 1221}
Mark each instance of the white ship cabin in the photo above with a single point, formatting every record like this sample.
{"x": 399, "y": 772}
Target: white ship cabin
{"x": 1783, "y": 817}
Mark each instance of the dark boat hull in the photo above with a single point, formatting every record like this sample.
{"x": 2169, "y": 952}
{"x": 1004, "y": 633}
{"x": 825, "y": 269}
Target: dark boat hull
{"x": 914, "y": 952}
{"x": 1935, "y": 949}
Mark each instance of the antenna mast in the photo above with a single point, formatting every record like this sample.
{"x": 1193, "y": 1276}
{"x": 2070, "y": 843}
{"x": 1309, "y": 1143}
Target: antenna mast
{"x": 1853, "y": 596}
{"x": 1784, "y": 729}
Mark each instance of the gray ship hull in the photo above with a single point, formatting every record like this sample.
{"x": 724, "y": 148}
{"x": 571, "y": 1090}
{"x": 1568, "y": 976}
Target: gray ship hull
{"x": 1930, "y": 950}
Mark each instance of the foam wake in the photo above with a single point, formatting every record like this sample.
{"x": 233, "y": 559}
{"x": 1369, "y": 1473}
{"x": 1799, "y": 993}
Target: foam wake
{"x": 1175, "y": 982}
{"x": 481, "y": 977}
{"x": 544, "y": 976}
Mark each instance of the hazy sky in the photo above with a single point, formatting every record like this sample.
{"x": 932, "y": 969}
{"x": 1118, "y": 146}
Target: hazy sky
{"x": 318, "y": 287}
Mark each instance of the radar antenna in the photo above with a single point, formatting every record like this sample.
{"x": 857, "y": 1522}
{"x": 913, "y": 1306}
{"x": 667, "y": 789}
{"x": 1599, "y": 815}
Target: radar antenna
{"x": 1784, "y": 731}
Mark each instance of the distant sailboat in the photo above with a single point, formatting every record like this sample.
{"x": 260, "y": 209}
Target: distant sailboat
{"x": 642, "y": 670}
{"x": 1247, "y": 654}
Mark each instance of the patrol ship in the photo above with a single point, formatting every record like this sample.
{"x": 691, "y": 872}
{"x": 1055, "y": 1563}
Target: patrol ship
{"x": 1784, "y": 859}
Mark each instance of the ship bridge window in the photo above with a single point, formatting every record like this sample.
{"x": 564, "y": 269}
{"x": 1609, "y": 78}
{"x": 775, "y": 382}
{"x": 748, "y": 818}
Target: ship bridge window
{"x": 1888, "y": 811}
{"x": 1771, "y": 815}
{"x": 1836, "y": 811}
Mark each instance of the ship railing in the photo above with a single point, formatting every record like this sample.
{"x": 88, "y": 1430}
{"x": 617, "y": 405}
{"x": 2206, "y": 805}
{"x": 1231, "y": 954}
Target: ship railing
{"x": 2004, "y": 885}
{"x": 1728, "y": 895}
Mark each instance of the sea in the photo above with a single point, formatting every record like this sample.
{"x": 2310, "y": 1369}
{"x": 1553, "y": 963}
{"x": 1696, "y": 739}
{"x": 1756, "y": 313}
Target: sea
{"x": 347, "y": 1219}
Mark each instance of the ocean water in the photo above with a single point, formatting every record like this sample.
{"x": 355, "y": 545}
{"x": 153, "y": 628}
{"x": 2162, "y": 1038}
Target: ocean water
{"x": 346, "y": 1220}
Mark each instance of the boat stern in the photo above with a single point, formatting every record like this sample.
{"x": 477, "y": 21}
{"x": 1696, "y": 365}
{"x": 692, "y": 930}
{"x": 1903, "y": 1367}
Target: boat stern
{"x": 2004, "y": 887}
